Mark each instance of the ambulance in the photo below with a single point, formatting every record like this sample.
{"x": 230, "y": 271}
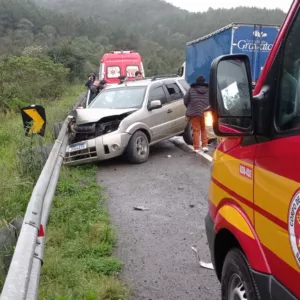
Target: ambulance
{"x": 253, "y": 223}
{"x": 120, "y": 63}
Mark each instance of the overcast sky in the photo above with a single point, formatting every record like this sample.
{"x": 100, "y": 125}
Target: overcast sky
{"x": 203, "y": 5}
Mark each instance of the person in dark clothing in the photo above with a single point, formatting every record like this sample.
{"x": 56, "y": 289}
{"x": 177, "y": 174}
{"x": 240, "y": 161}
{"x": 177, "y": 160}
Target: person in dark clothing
{"x": 196, "y": 101}
{"x": 96, "y": 88}
{"x": 91, "y": 79}
{"x": 103, "y": 85}
{"x": 122, "y": 79}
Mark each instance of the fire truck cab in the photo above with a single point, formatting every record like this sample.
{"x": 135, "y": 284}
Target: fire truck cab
{"x": 253, "y": 224}
{"x": 120, "y": 63}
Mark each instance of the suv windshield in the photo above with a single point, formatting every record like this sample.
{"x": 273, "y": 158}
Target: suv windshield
{"x": 125, "y": 97}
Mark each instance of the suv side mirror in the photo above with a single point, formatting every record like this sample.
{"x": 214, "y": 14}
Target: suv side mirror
{"x": 230, "y": 96}
{"x": 154, "y": 104}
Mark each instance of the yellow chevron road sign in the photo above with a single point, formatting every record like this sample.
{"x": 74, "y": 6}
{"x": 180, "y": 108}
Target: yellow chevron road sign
{"x": 34, "y": 119}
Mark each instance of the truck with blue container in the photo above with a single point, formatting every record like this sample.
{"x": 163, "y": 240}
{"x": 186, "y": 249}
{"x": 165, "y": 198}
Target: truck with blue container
{"x": 255, "y": 40}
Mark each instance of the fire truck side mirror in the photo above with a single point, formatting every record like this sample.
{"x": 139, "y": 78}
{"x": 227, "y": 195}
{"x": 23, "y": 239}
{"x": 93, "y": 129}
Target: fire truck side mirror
{"x": 230, "y": 96}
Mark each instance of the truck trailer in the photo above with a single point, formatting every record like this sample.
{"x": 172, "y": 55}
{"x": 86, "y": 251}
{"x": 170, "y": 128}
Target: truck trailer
{"x": 255, "y": 40}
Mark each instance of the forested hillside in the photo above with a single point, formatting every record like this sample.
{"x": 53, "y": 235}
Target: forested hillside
{"x": 76, "y": 33}
{"x": 162, "y": 22}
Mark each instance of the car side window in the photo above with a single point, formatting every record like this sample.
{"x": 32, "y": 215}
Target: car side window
{"x": 158, "y": 93}
{"x": 288, "y": 102}
{"x": 174, "y": 91}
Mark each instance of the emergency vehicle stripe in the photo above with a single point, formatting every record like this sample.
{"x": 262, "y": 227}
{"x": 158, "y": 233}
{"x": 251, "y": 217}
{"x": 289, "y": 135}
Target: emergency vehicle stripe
{"x": 271, "y": 188}
{"x": 226, "y": 164}
{"x": 263, "y": 219}
{"x": 232, "y": 216}
{"x": 287, "y": 274}
{"x": 251, "y": 205}
{"x": 218, "y": 193}
{"x": 284, "y": 166}
{"x": 278, "y": 245}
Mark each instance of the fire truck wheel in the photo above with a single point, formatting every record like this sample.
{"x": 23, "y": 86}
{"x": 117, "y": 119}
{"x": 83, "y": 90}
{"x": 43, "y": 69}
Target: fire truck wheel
{"x": 237, "y": 281}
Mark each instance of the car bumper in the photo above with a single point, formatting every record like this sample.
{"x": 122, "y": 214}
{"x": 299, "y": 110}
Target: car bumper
{"x": 97, "y": 149}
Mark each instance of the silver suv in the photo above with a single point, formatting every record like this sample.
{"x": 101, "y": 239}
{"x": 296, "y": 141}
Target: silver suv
{"x": 127, "y": 119}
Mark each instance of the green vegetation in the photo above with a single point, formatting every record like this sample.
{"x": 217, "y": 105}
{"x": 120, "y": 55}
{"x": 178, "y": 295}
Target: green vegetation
{"x": 19, "y": 172}
{"x": 23, "y": 79}
{"x": 77, "y": 33}
{"x": 80, "y": 240}
{"x": 42, "y": 51}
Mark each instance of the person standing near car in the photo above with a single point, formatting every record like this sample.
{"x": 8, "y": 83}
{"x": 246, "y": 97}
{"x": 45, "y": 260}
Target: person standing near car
{"x": 96, "y": 88}
{"x": 122, "y": 79}
{"x": 103, "y": 85}
{"x": 196, "y": 101}
{"x": 91, "y": 79}
{"x": 138, "y": 75}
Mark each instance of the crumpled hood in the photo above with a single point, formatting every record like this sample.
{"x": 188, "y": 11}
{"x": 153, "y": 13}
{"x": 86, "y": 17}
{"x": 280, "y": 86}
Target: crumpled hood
{"x": 91, "y": 115}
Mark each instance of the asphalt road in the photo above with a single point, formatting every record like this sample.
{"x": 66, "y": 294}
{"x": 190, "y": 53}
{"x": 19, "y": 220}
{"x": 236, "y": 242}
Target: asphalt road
{"x": 155, "y": 245}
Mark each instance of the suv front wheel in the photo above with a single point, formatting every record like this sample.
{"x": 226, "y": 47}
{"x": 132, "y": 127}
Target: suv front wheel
{"x": 138, "y": 148}
{"x": 237, "y": 282}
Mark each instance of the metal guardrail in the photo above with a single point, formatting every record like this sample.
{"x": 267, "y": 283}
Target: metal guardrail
{"x": 23, "y": 277}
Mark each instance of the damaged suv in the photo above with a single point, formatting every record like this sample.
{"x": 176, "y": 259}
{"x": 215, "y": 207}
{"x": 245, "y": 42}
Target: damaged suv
{"x": 127, "y": 119}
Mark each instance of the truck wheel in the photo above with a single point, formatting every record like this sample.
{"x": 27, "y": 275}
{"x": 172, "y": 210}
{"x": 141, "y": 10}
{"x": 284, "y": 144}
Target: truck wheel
{"x": 138, "y": 148}
{"x": 188, "y": 134}
{"x": 237, "y": 283}
{"x": 56, "y": 129}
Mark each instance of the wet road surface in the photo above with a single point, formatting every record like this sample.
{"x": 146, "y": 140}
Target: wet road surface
{"x": 155, "y": 245}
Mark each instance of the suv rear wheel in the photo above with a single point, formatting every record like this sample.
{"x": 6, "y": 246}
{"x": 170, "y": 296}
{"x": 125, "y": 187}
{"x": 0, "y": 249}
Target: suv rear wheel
{"x": 237, "y": 283}
{"x": 138, "y": 148}
{"x": 188, "y": 134}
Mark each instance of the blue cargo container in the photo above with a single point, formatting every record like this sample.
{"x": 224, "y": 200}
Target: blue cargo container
{"x": 252, "y": 39}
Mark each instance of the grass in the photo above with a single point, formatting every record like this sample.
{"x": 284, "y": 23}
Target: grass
{"x": 80, "y": 242}
{"x": 80, "y": 239}
{"x": 18, "y": 175}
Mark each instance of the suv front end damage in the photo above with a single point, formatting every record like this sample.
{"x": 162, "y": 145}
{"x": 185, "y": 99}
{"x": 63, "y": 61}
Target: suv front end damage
{"x": 98, "y": 140}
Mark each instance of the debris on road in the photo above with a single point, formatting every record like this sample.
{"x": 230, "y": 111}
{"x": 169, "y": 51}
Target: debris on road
{"x": 141, "y": 208}
{"x": 192, "y": 205}
{"x": 202, "y": 263}
{"x": 206, "y": 265}
{"x": 169, "y": 156}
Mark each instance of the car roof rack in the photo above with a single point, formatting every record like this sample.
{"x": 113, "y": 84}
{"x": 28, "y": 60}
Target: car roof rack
{"x": 140, "y": 79}
{"x": 163, "y": 76}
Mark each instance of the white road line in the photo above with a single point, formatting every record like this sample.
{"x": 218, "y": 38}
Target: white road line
{"x": 181, "y": 141}
{"x": 205, "y": 155}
